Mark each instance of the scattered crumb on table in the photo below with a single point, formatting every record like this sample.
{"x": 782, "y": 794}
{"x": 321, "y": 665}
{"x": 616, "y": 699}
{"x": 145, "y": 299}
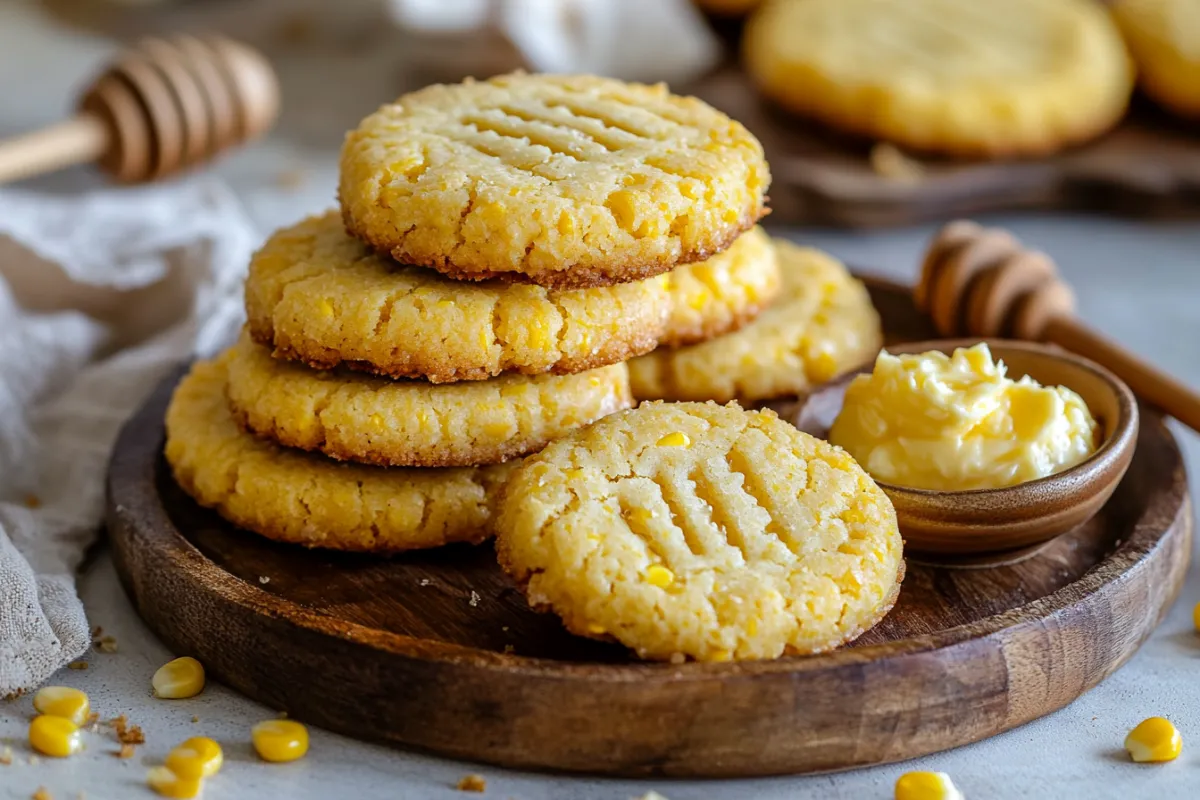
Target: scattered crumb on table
{"x": 34, "y": 761}
{"x": 472, "y": 783}
{"x": 6, "y": 757}
{"x": 106, "y": 644}
{"x": 264, "y": 579}
{"x": 77, "y": 665}
{"x": 33, "y": 501}
{"x": 474, "y": 601}
{"x": 126, "y": 751}
{"x": 889, "y": 162}
{"x": 195, "y": 719}
{"x": 126, "y": 733}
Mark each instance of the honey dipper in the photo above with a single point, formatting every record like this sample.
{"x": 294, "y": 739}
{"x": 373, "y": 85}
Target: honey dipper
{"x": 981, "y": 282}
{"x": 163, "y": 106}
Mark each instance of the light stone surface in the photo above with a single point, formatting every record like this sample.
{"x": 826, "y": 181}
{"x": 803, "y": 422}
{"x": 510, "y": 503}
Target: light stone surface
{"x": 1137, "y": 281}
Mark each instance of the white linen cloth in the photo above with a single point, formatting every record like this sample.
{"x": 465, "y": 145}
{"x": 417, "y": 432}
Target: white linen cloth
{"x": 635, "y": 40}
{"x": 100, "y": 295}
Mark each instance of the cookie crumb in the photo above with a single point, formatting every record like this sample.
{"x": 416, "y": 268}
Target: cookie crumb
{"x": 474, "y": 601}
{"x": 424, "y": 582}
{"x": 126, "y": 751}
{"x": 6, "y": 756}
{"x": 34, "y": 761}
{"x": 263, "y": 579}
{"x": 195, "y": 719}
{"x": 106, "y": 644}
{"x": 126, "y": 733}
{"x": 77, "y": 665}
{"x": 33, "y": 501}
{"x": 889, "y": 162}
{"x": 472, "y": 783}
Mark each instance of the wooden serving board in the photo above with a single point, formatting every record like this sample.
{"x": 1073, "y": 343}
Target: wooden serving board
{"x": 1148, "y": 166}
{"x": 437, "y": 650}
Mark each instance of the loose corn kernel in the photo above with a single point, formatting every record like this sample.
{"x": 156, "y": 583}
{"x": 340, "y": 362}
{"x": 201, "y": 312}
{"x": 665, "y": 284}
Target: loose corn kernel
{"x": 676, "y": 439}
{"x": 659, "y": 576}
{"x": 54, "y": 736}
{"x": 175, "y": 680}
{"x": 167, "y": 784}
{"x": 926, "y": 786}
{"x": 1154, "y": 739}
{"x": 62, "y": 701}
{"x": 279, "y": 740}
{"x": 198, "y": 757}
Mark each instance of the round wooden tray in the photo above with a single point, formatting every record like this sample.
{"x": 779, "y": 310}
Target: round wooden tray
{"x": 438, "y": 651}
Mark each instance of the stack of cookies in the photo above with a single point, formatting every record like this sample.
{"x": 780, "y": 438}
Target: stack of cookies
{"x": 502, "y": 248}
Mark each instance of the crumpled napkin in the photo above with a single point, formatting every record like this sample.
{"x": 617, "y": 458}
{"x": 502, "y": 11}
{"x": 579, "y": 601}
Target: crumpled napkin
{"x": 635, "y": 40}
{"x": 100, "y": 295}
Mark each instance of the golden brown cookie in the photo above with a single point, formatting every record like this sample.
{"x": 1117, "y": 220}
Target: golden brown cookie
{"x": 414, "y": 423}
{"x": 1164, "y": 37}
{"x": 307, "y": 499}
{"x": 566, "y": 181}
{"x": 961, "y": 78}
{"x": 822, "y": 324}
{"x": 703, "y": 531}
{"x": 316, "y": 295}
{"x": 714, "y": 297}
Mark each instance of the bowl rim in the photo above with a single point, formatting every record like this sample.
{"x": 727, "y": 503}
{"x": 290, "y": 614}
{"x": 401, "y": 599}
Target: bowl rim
{"x": 1123, "y": 435}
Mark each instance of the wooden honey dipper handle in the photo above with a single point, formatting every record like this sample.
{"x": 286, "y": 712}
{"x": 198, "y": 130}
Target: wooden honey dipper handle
{"x": 161, "y": 107}
{"x": 978, "y": 281}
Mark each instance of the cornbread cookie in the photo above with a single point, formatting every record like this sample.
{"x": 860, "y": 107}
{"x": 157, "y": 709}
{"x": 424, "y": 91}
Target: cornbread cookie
{"x": 692, "y": 529}
{"x": 822, "y": 324}
{"x": 564, "y": 181}
{"x": 316, "y": 295}
{"x": 723, "y": 293}
{"x": 961, "y": 78}
{"x": 307, "y": 499}
{"x": 1164, "y": 37}
{"x": 414, "y": 423}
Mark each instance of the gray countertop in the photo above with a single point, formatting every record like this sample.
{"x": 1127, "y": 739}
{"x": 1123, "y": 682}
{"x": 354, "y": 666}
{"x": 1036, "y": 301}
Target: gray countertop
{"x": 1137, "y": 281}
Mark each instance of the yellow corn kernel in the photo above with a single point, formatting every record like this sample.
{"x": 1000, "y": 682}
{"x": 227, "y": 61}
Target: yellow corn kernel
{"x": 62, "y": 701}
{"x": 926, "y": 786}
{"x": 279, "y": 740}
{"x": 175, "y": 680}
{"x": 659, "y": 576}
{"x": 676, "y": 439}
{"x": 326, "y": 308}
{"x": 1154, "y": 739}
{"x": 496, "y": 429}
{"x": 54, "y": 736}
{"x": 167, "y": 784}
{"x": 198, "y": 757}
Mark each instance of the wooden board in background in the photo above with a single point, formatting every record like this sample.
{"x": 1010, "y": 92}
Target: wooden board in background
{"x": 437, "y": 651}
{"x": 1149, "y": 166}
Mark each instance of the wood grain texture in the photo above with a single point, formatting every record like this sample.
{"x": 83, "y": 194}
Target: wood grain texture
{"x": 437, "y": 651}
{"x": 1149, "y": 166}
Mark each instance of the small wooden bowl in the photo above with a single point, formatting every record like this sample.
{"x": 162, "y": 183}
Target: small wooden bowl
{"x": 1007, "y": 523}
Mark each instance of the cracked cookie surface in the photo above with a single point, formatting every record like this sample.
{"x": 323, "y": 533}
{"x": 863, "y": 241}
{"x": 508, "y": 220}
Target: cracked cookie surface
{"x": 958, "y": 78}
{"x": 702, "y": 531}
{"x": 307, "y": 499}
{"x": 565, "y": 181}
{"x": 821, "y": 325}
{"x": 372, "y": 420}
{"x": 319, "y": 296}
{"x": 720, "y": 295}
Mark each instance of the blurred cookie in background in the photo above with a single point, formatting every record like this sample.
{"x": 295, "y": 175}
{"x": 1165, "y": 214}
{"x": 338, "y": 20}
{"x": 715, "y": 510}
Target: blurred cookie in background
{"x": 1027, "y": 77}
{"x": 1164, "y": 38}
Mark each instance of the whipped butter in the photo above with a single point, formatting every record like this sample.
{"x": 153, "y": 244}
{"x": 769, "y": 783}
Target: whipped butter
{"x": 931, "y": 421}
